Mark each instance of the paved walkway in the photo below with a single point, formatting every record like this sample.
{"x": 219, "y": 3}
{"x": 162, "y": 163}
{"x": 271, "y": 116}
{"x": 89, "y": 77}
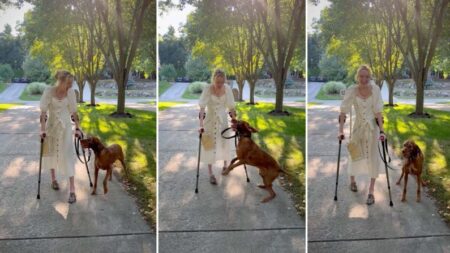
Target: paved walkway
{"x": 102, "y": 223}
{"x": 12, "y": 92}
{"x": 349, "y": 225}
{"x": 224, "y": 218}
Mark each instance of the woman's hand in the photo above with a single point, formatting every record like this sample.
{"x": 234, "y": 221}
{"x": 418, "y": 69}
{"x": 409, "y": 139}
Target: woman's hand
{"x": 43, "y": 134}
{"x": 201, "y": 130}
{"x": 78, "y": 133}
{"x": 341, "y": 136}
{"x": 382, "y": 136}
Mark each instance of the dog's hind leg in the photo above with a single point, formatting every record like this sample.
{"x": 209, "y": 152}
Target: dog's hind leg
{"x": 268, "y": 187}
{"x": 105, "y": 181}
{"x": 419, "y": 182}
{"x": 404, "y": 187}
{"x": 401, "y": 176}
{"x": 122, "y": 161}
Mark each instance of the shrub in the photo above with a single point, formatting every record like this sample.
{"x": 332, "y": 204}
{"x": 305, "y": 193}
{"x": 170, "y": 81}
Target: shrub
{"x": 35, "y": 69}
{"x": 6, "y": 72}
{"x": 197, "y": 69}
{"x": 36, "y": 88}
{"x": 197, "y": 87}
{"x": 167, "y": 72}
{"x": 333, "y": 88}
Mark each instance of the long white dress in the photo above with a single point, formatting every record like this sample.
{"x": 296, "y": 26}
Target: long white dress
{"x": 59, "y": 151}
{"x": 215, "y": 122}
{"x": 365, "y": 130}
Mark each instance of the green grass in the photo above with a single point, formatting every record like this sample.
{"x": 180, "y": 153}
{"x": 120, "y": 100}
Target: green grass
{"x": 163, "y": 86}
{"x": 25, "y": 96}
{"x": 433, "y": 137}
{"x": 188, "y": 95}
{"x": 284, "y": 138}
{"x": 137, "y": 136}
{"x": 314, "y": 103}
{"x": 163, "y": 105}
{"x": 2, "y": 87}
{"x": 4, "y": 107}
{"x": 321, "y": 95}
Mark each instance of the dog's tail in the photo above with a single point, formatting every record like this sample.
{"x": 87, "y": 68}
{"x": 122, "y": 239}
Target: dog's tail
{"x": 124, "y": 166}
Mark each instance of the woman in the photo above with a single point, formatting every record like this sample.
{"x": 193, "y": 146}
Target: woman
{"x": 217, "y": 98}
{"x": 60, "y": 103}
{"x": 365, "y": 97}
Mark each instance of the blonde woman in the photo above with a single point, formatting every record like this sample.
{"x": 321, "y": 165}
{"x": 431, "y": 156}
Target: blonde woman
{"x": 365, "y": 97}
{"x": 58, "y": 105}
{"x": 216, "y": 102}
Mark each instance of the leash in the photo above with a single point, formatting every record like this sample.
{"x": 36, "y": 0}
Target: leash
{"x": 235, "y": 136}
{"x": 85, "y": 160}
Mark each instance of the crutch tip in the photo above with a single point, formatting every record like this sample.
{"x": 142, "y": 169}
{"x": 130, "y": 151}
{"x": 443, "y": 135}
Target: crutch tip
{"x": 90, "y": 185}
{"x": 248, "y": 180}
{"x": 38, "y": 196}
{"x": 335, "y": 198}
{"x": 391, "y": 204}
{"x": 196, "y": 190}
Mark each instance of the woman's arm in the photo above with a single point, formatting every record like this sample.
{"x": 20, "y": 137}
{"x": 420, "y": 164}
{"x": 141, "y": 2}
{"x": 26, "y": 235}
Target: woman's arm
{"x": 342, "y": 118}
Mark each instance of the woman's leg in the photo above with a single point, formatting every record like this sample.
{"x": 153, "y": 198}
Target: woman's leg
{"x": 71, "y": 184}
{"x": 225, "y": 163}
{"x": 372, "y": 186}
{"x": 352, "y": 179}
{"x": 210, "y": 170}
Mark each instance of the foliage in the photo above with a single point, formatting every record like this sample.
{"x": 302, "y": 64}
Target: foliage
{"x": 36, "y": 88}
{"x": 35, "y": 69}
{"x": 197, "y": 87}
{"x": 12, "y": 49}
{"x": 333, "y": 87}
{"x": 197, "y": 69}
{"x": 6, "y": 72}
{"x": 167, "y": 72}
{"x": 172, "y": 51}
{"x": 332, "y": 68}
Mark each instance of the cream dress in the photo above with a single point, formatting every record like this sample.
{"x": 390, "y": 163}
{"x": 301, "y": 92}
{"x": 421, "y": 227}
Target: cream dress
{"x": 365, "y": 130}
{"x": 215, "y": 122}
{"x": 59, "y": 151}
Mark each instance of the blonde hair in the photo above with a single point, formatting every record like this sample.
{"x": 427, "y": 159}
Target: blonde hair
{"x": 363, "y": 67}
{"x": 62, "y": 75}
{"x": 218, "y": 73}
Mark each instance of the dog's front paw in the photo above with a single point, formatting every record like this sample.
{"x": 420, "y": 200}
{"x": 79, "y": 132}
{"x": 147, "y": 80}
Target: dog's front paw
{"x": 225, "y": 173}
{"x": 418, "y": 199}
{"x": 94, "y": 193}
{"x": 105, "y": 190}
{"x": 403, "y": 199}
{"x": 398, "y": 183}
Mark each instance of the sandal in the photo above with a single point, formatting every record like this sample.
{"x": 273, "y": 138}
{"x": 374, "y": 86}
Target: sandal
{"x": 72, "y": 198}
{"x": 212, "y": 180}
{"x": 55, "y": 185}
{"x": 370, "y": 199}
{"x": 353, "y": 187}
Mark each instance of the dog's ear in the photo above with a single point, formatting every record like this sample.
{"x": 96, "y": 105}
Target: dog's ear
{"x": 250, "y": 128}
{"x": 415, "y": 150}
{"x": 253, "y": 130}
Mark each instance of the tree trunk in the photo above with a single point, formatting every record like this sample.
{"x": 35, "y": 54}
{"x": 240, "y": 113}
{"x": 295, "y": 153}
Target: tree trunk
{"x": 279, "y": 78}
{"x": 121, "y": 81}
{"x": 93, "y": 86}
{"x": 240, "y": 84}
{"x": 391, "y": 92}
{"x": 252, "y": 84}
{"x": 420, "y": 85}
{"x": 81, "y": 88}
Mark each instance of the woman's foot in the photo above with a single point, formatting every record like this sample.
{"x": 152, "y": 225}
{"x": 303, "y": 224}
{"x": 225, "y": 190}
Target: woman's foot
{"x": 370, "y": 199}
{"x": 72, "y": 198}
{"x": 55, "y": 185}
{"x": 212, "y": 179}
{"x": 353, "y": 187}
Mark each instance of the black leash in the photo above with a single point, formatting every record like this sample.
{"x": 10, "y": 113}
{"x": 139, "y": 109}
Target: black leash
{"x": 85, "y": 160}
{"x": 236, "y": 137}
{"x": 383, "y": 158}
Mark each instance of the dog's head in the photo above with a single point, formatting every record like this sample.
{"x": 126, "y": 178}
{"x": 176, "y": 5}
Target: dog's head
{"x": 91, "y": 142}
{"x": 410, "y": 150}
{"x": 244, "y": 128}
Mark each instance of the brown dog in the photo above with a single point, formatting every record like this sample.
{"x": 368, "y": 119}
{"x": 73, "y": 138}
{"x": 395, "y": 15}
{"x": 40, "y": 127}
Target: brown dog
{"x": 104, "y": 159}
{"x": 249, "y": 153}
{"x": 412, "y": 164}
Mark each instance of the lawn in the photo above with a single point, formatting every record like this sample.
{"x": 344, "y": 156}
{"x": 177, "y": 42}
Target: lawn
{"x": 4, "y": 107}
{"x": 28, "y": 97}
{"x": 321, "y": 95}
{"x": 433, "y": 137}
{"x": 2, "y": 87}
{"x": 284, "y": 138}
{"x": 137, "y": 136}
{"x": 163, "y": 105}
{"x": 163, "y": 86}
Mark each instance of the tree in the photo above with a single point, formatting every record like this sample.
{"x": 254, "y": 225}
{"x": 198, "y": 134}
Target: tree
{"x": 416, "y": 29}
{"x": 167, "y": 72}
{"x": 197, "y": 69}
{"x": 6, "y": 72}
{"x": 172, "y": 50}
{"x": 277, "y": 25}
{"x": 117, "y": 27}
{"x": 12, "y": 49}
{"x": 35, "y": 69}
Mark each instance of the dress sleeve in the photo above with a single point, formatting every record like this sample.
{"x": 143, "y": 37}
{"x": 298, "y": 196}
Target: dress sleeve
{"x": 347, "y": 102}
{"x": 204, "y": 98}
{"x": 230, "y": 98}
{"x": 378, "y": 101}
{"x": 72, "y": 100}
{"x": 45, "y": 100}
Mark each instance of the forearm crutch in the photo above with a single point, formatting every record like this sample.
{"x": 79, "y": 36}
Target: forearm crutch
{"x": 387, "y": 173}
{"x": 198, "y": 159}
{"x": 338, "y": 162}
{"x": 40, "y": 168}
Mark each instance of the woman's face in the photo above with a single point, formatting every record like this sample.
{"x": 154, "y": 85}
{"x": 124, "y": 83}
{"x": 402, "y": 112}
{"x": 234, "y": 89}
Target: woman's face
{"x": 67, "y": 84}
{"x": 363, "y": 76}
{"x": 219, "y": 81}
